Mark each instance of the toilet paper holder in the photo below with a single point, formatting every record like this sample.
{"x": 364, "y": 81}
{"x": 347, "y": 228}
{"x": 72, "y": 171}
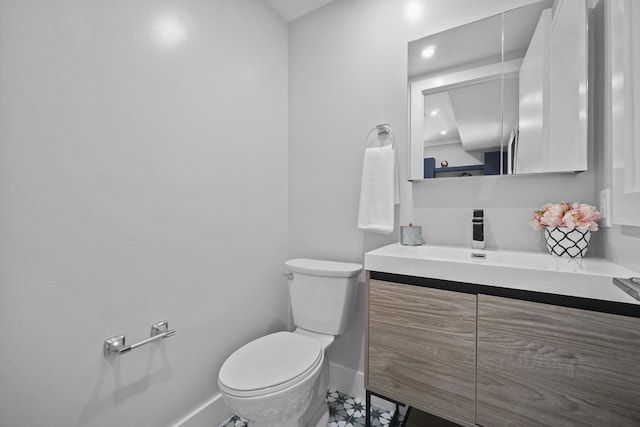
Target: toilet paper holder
{"x": 116, "y": 344}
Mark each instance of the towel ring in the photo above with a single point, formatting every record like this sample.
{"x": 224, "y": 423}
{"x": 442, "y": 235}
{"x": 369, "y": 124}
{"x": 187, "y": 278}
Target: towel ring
{"x": 385, "y": 133}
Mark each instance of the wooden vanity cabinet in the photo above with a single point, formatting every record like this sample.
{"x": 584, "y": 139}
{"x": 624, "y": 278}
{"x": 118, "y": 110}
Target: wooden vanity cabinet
{"x": 459, "y": 352}
{"x": 547, "y": 365}
{"x": 421, "y": 348}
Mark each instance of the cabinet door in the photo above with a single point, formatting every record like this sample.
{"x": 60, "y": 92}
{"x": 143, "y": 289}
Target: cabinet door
{"x": 421, "y": 347}
{"x": 544, "y": 365}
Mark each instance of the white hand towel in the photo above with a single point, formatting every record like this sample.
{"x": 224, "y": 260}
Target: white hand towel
{"x": 379, "y": 190}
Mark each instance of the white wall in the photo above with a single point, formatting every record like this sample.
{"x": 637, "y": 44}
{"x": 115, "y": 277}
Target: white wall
{"x": 348, "y": 72}
{"x": 143, "y": 177}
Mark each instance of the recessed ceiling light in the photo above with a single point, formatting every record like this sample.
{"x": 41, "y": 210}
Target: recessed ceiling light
{"x": 444, "y": 132}
{"x": 428, "y": 51}
{"x": 434, "y": 112}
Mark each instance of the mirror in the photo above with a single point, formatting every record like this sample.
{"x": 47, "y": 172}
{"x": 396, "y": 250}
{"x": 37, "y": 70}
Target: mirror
{"x": 503, "y": 95}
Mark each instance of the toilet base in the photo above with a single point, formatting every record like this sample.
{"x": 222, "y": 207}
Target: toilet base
{"x": 279, "y": 423}
{"x": 323, "y": 421}
{"x": 303, "y": 405}
{"x": 317, "y": 414}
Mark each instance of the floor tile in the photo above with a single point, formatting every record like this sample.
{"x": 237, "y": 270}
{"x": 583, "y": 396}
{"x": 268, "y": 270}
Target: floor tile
{"x": 344, "y": 411}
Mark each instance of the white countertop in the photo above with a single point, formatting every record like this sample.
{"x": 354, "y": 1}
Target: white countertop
{"x": 528, "y": 271}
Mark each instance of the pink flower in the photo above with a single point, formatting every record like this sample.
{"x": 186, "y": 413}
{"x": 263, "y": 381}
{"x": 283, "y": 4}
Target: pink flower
{"x": 553, "y": 214}
{"x": 572, "y": 215}
{"x": 535, "y": 221}
{"x": 583, "y": 217}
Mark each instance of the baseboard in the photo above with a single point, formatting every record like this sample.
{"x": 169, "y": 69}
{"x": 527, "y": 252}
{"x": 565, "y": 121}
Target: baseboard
{"x": 351, "y": 382}
{"x": 346, "y": 380}
{"x": 211, "y": 413}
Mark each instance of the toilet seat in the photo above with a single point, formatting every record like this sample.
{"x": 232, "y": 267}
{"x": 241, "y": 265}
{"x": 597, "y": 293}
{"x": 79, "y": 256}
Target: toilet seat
{"x": 269, "y": 364}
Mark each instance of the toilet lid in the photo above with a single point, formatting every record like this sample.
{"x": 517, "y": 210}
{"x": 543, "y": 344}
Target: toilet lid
{"x": 316, "y": 267}
{"x": 268, "y": 364}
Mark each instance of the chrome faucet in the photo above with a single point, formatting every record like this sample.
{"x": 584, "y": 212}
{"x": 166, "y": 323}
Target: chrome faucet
{"x": 477, "y": 222}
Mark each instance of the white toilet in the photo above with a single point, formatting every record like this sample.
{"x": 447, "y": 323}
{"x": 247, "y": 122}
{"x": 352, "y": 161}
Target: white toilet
{"x": 281, "y": 379}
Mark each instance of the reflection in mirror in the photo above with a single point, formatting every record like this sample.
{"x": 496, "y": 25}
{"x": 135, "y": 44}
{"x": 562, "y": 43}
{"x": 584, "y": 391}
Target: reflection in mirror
{"x": 444, "y": 70}
{"x": 463, "y": 123}
{"x": 480, "y": 94}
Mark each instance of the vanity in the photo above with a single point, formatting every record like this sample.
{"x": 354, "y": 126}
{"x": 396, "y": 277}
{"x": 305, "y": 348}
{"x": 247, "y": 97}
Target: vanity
{"x": 493, "y": 338}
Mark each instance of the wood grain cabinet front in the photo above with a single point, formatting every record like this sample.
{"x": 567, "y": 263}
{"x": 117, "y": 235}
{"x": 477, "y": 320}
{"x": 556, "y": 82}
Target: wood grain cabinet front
{"x": 421, "y": 348}
{"x": 546, "y": 365}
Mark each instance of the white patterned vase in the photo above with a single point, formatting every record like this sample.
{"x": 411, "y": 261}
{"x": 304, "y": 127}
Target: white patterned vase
{"x": 567, "y": 242}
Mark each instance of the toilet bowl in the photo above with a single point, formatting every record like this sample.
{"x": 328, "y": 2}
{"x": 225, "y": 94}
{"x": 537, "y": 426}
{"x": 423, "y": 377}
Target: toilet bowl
{"x": 274, "y": 380}
{"x": 281, "y": 379}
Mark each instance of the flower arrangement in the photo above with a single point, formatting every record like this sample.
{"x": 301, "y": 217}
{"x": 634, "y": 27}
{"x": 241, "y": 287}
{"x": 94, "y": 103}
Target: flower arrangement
{"x": 578, "y": 216}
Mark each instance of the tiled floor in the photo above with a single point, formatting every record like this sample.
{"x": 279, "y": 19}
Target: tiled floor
{"x": 344, "y": 411}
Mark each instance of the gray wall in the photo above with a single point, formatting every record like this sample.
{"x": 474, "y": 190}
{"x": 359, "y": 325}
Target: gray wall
{"x": 143, "y": 177}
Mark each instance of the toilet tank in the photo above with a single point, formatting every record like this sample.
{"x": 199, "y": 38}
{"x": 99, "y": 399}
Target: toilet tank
{"x": 323, "y": 294}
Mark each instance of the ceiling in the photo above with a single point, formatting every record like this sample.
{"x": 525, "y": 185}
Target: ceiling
{"x": 293, "y": 9}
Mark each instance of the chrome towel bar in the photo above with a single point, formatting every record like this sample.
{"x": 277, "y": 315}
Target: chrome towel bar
{"x": 116, "y": 344}
{"x": 384, "y": 133}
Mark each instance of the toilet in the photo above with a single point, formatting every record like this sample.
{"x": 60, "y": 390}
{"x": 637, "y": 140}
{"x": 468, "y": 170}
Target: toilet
{"x": 281, "y": 379}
